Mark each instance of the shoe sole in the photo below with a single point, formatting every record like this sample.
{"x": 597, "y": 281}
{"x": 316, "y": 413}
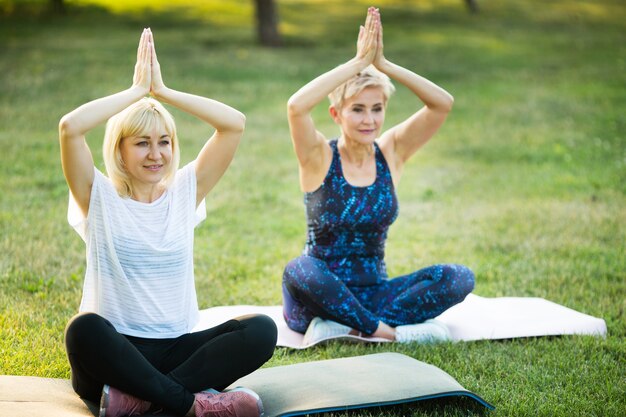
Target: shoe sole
{"x": 309, "y": 339}
{"x": 104, "y": 401}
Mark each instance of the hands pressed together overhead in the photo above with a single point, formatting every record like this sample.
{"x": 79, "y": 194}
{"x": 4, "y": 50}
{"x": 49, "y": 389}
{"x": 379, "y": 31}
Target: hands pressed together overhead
{"x": 370, "y": 41}
{"x": 147, "y": 74}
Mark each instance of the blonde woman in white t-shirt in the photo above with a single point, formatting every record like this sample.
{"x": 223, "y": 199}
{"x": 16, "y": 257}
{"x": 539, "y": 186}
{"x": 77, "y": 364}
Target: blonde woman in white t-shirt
{"x": 131, "y": 347}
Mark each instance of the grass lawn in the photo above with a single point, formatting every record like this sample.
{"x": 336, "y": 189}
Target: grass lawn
{"x": 525, "y": 183}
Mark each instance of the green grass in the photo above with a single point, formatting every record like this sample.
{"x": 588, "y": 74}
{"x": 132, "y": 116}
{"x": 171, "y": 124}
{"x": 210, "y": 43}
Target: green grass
{"x": 526, "y": 182}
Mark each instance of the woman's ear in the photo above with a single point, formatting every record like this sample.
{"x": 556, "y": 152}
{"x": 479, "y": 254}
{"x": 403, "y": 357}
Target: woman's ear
{"x": 334, "y": 113}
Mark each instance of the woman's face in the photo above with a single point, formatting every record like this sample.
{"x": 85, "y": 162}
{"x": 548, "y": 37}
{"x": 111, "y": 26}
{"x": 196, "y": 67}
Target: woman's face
{"x": 362, "y": 115}
{"x": 147, "y": 157}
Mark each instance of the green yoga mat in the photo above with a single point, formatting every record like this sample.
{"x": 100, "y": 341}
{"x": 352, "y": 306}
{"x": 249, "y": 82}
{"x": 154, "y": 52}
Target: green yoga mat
{"x": 348, "y": 383}
{"x": 291, "y": 390}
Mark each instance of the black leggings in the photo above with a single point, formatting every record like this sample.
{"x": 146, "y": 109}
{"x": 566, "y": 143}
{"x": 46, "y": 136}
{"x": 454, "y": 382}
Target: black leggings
{"x": 165, "y": 372}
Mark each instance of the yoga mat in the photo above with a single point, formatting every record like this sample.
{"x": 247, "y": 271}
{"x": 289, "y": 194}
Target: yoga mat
{"x": 348, "y": 383}
{"x": 29, "y": 396}
{"x": 291, "y": 390}
{"x": 476, "y": 318}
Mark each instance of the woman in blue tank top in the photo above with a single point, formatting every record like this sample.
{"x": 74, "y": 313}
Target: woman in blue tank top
{"x": 339, "y": 285}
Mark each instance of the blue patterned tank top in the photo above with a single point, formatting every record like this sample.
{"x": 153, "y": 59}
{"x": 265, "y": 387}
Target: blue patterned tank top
{"x": 347, "y": 225}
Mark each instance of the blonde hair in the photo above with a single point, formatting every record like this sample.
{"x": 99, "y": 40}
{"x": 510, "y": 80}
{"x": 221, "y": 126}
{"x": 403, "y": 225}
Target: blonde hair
{"x": 136, "y": 120}
{"x": 369, "y": 77}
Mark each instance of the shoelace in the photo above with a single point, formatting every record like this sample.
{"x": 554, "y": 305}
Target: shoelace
{"x": 220, "y": 405}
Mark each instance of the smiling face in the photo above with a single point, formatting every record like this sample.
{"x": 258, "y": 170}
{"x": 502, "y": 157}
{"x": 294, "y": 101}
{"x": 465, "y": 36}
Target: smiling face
{"x": 147, "y": 157}
{"x": 361, "y": 116}
{"x": 141, "y": 146}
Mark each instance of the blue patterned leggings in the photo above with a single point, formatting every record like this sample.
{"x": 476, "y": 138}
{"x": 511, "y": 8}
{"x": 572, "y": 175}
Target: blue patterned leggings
{"x": 310, "y": 289}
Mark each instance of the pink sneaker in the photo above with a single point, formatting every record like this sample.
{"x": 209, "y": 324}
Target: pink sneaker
{"x": 115, "y": 403}
{"x": 238, "y": 402}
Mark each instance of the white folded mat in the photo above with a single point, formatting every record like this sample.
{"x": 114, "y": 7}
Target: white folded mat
{"x": 475, "y": 318}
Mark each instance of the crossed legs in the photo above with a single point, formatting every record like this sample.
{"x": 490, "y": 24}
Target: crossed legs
{"x": 310, "y": 289}
{"x": 166, "y": 372}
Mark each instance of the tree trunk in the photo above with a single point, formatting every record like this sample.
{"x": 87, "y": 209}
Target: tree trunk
{"x": 267, "y": 23}
{"x": 472, "y": 5}
{"x": 58, "y": 6}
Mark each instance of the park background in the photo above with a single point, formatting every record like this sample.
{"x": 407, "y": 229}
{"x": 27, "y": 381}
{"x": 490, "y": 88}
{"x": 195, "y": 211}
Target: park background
{"x": 525, "y": 183}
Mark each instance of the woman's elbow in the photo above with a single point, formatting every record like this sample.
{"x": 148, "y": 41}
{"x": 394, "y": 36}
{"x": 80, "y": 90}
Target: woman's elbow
{"x": 447, "y": 103}
{"x": 240, "y": 124}
{"x": 236, "y": 124}
{"x": 66, "y": 127}
{"x": 294, "y": 108}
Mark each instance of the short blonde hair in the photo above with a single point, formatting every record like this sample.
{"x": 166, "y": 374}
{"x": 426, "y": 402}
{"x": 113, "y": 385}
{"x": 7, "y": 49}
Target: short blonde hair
{"x": 369, "y": 77}
{"x": 136, "y": 120}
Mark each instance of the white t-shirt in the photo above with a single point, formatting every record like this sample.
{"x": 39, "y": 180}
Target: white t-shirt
{"x": 140, "y": 257}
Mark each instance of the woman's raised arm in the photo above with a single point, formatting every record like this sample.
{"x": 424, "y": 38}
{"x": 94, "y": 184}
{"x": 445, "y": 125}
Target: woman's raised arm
{"x": 307, "y": 141}
{"x": 229, "y": 123}
{"x": 407, "y": 137}
{"x": 76, "y": 159}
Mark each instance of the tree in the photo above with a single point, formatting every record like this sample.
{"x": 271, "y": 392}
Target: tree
{"x": 267, "y": 23}
{"x": 472, "y": 5}
{"x": 58, "y": 6}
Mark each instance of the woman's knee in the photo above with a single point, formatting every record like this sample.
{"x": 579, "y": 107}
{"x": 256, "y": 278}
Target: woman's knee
{"x": 302, "y": 268}
{"x": 85, "y": 330}
{"x": 261, "y": 333}
{"x": 461, "y": 278}
{"x": 306, "y": 273}
{"x": 294, "y": 272}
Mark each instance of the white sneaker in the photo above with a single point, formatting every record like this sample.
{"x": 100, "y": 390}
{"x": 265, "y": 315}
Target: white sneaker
{"x": 431, "y": 331}
{"x": 320, "y": 329}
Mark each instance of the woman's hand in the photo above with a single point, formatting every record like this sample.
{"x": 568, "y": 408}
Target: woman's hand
{"x": 366, "y": 45}
{"x": 76, "y": 157}
{"x": 156, "y": 86}
{"x": 142, "y": 77}
{"x": 379, "y": 59}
